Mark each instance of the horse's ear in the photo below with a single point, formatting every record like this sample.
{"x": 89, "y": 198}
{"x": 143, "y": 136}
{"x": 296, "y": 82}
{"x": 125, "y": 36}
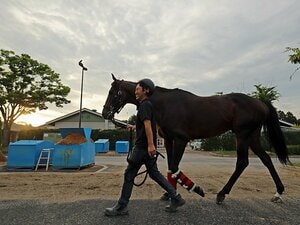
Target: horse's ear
{"x": 113, "y": 77}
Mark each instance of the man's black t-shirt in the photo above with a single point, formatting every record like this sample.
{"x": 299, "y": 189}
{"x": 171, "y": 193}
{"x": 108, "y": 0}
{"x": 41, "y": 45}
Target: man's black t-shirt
{"x": 145, "y": 112}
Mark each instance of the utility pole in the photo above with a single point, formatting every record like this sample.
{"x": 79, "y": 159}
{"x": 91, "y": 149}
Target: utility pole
{"x": 82, "y": 73}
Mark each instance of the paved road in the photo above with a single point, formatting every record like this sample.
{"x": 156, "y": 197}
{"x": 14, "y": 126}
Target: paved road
{"x": 191, "y": 158}
{"x": 90, "y": 212}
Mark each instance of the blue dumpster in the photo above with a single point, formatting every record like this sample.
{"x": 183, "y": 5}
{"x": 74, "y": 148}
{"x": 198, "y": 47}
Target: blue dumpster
{"x": 25, "y": 153}
{"x": 102, "y": 145}
{"x": 122, "y": 146}
{"x": 67, "y": 156}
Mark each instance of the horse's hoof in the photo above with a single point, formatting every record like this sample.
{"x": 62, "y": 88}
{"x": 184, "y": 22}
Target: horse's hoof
{"x": 276, "y": 199}
{"x": 220, "y": 199}
{"x": 199, "y": 191}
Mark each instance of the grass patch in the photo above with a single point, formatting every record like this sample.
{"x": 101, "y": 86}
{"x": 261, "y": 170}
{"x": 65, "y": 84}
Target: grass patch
{"x": 296, "y": 164}
{"x": 233, "y": 153}
{"x": 224, "y": 153}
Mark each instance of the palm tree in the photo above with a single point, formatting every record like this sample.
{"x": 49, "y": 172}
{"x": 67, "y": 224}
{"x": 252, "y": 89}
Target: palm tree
{"x": 265, "y": 93}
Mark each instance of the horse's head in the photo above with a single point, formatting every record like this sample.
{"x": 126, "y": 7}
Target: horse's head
{"x": 117, "y": 98}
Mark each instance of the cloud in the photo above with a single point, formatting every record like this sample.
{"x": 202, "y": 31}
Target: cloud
{"x": 201, "y": 46}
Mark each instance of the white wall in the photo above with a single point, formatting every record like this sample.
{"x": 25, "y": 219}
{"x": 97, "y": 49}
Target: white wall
{"x": 94, "y": 125}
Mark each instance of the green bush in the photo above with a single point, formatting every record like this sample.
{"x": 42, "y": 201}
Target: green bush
{"x": 113, "y": 136}
{"x": 225, "y": 142}
{"x": 34, "y": 134}
{"x": 292, "y": 137}
{"x": 294, "y": 149}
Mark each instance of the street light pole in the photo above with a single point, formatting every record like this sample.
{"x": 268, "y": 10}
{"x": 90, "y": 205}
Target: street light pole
{"x": 82, "y": 72}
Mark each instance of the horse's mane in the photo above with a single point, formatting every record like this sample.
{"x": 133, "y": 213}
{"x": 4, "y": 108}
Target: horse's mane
{"x": 162, "y": 89}
{"x": 129, "y": 82}
{"x": 165, "y": 90}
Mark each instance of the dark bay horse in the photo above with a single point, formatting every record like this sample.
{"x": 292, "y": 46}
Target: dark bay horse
{"x": 182, "y": 116}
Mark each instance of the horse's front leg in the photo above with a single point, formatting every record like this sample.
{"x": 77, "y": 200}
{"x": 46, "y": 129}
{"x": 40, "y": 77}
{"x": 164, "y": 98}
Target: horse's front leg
{"x": 177, "y": 153}
{"x": 169, "y": 149}
{"x": 170, "y": 156}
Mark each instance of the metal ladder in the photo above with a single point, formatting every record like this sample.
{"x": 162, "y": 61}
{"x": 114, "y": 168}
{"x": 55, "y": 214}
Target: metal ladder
{"x": 44, "y": 158}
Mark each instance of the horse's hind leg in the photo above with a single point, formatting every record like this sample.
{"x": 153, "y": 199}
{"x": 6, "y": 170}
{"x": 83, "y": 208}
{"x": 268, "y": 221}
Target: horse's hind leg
{"x": 266, "y": 160}
{"x": 241, "y": 164}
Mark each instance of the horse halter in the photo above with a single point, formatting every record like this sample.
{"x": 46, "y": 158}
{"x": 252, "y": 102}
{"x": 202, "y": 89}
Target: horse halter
{"x": 121, "y": 104}
{"x": 118, "y": 104}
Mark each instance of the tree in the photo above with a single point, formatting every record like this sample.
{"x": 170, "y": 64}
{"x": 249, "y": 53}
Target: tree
{"x": 26, "y": 85}
{"x": 265, "y": 93}
{"x": 291, "y": 118}
{"x": 288, "y": 117}
{"x": 281, "y": 115}
{"x": 294, "y": 58}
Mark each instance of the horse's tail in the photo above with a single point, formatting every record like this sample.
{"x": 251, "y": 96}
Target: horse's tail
{"x": 275, "y": 135}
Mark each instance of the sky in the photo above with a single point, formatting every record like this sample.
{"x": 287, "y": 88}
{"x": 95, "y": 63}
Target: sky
{"x": 204, "y": 47}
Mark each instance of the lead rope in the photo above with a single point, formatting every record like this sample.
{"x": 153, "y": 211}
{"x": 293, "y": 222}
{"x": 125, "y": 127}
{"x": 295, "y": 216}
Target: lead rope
{"x": 124, "y": 125}
{"x": 145, "y": 171}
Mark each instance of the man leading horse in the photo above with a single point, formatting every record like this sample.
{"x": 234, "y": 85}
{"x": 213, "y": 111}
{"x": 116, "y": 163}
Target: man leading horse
{"x": 144, "y": 152}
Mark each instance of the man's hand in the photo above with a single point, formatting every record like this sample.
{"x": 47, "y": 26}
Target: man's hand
{"x": 130, "y": 127}
{"x": 151, "y": 150}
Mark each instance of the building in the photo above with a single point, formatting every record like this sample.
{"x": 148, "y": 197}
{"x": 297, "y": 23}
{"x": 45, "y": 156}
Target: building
{"x": 284, "y": 124}
{"x": 89, "y": 118}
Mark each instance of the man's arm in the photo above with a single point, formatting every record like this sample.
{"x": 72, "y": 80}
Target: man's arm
{"x": 149, "y": 134}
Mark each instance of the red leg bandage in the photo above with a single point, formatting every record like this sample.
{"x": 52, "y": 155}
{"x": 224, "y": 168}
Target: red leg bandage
{"x": 171, "y": 180}
{"x": 184, "y": 181}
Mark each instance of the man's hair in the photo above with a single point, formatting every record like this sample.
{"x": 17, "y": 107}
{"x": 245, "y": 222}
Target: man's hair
{"x": 147, "y": 84}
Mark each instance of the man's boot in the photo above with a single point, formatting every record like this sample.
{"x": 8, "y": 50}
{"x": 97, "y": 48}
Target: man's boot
{"x": 116, "y": 210}
{"x": 165, "y": 197}
{"x": 176, "y": 202}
